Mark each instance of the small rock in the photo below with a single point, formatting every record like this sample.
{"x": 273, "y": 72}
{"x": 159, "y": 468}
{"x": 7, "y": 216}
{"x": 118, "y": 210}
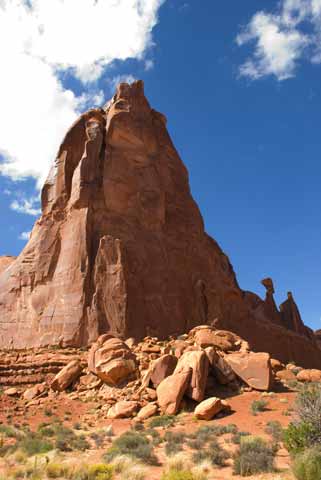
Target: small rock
{"x": 148, "y": 411}
{"x": 207, "y": 409}
{"x": 123, "y": 409}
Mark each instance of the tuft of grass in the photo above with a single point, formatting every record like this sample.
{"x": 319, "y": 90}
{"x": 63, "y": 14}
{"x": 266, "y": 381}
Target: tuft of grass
{"x": 100, "y": 471}
{"x": 57, "y": 470}
{"x": 174, "y": 442}
{"x": 258, "y": 406}
{"x": 214, "y": 453}
{"x": 237, "y": 437}
{"x": 254, "y": 456}
{"x": 162, "y": 421}
{"x": 132, "y": 444}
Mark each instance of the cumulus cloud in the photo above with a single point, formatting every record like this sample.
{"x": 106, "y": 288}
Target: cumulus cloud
{"x": 282, "y": 39}
{"x": 41, "y": 40}
{"x": 24, "y": 236}
{"x": 28, "y": 206}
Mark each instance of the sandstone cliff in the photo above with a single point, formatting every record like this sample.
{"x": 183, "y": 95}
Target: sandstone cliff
{"x": 120, "y": 248}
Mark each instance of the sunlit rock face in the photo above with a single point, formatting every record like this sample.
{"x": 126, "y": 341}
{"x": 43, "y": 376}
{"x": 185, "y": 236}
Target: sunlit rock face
{"x": 120, "y": 248}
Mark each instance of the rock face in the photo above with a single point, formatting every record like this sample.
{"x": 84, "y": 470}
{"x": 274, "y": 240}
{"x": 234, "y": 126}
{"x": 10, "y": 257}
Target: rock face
{"x": 5, "y": 262}
{"x": 253, "y": 368}
{"x": 120, "y": 248}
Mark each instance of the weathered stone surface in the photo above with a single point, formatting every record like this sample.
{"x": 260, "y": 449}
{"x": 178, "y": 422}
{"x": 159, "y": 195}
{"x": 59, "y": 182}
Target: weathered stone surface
{"x": 148, "y": 411}
{"x": 111, "y": 360}
{"x": 121, "y": 248}
{"x": 285, "y": 375}
{"x": 206, "y": 336}
{"x": 5, "y": 262}
{"x": 311, "y": 375}
{"x": 67, "y": 376}
{"x": 223, "y": 371}
{"x": 253, "y": 368}
{"x": 11, "y": 392}
{"x": 208, "y": 408}
{"x": 33, "y": 392}
{"x": 171, "y": 391}
{"x": 196, "y": 360}
{"x": 162, "y": 368}
{"x": 123, "y": 409}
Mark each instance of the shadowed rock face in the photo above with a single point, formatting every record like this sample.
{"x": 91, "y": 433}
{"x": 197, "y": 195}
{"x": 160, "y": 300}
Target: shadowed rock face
{"x": 120, "y": 248}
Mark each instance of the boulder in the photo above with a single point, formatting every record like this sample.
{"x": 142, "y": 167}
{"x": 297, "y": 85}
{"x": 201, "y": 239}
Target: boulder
{"x": 253, "y": 368}
{"x": 207, "y": 409}
{"x": 311, "y": 375}
{"x": 206, "y": 336}
{"x": 171, "y": 390}
{"x": 223, "y": 371}
{"x": 33, "y": 392}
{"x": 148, "y": 411}
{"x": 11, "y": 392}
{"x": 123, "y": 409}
{"x": 285, "y": 375}
{"x": 276, "y": 365}
{"x": 67, "y": 376}
{"x": 196, "y": 360}
{"x": 162, "y": 368}
{"x": 111, "y": 360}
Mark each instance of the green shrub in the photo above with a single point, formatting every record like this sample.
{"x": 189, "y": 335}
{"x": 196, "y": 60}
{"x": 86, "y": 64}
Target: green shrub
{"x": 214, "y": 453}
{"x": 10, "y": 432}
{"x": 178, "y": 475}
{"x": 307, "y": 465}
{"x": 134, "y": 445}
{"x": 174, "y": 442}
{"x": 298, "y": 436}
{"x": 237, "y": 437}
{"x": 34, "y": 444}
{"x": 100, "y": 472}
{"x": 254, "y": 456}
{"x": 56, "y": 470}
{"x": 258, "y": 406}
{"x": 274, "y": 428}
{"x": 162, "y": 421}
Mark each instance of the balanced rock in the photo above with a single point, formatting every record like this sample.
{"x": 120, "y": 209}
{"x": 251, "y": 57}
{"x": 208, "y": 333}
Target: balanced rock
{"x": 120, "y": 248}
{"x": 111, "y": 360}
{"x": 171, "y": 390}
{"x": 123, "y": 409}
{"x": 311, "y": 375}
{"x": 208, "y": 408}
{"x": 198, "y": 362}
{"x": 253, "y": 368}
{"x": 67, "y": 376}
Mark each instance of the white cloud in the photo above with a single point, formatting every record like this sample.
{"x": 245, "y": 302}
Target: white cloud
{"x": 282, "y": 39}
{"x": 114, "y": 81}
{"x": 28, "y": 206}
{"x": 42, "y": 39}
{"x": 24, "y": 236}
{"x": 149, "y": 64}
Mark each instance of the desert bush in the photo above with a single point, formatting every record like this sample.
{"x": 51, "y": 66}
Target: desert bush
{"x": 10, "y": 431}
{"x": 237, "y": 437}
{"x": 298, "y": 436}
{"x": 134, "y": 445}
{"x": 121, "y": 463}
{"x": 307, "y": 465}
{"x": 308, "y": 408}
{"x": 162, "y": 421}
{"x": 100, "y": 471}
{"x": 178, "y": 475}
{"x": 134, "y": 472}
{"x": 57, "y": 470}
{"x": 180, "y": 461}
{"x": 34, "y": 444}
{"x": 174, "y": 442}
{"x": 258, "y": 406}
{"x": 254, "y": 456}
{"x": 274, "y": 428}
{"x": 213, "y": 453}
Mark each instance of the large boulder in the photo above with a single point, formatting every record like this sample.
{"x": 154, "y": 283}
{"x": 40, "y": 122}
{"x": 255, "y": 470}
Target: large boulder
{"x": 207, "y": 409}
{"x": 171, "y": 390}
{"x": 311, "y": 375}
{"x": 123, "y": 409}
{"x": 147, "y": 411}
{"x": 206, "y": 336}
{"x": 198, "y": 361}
{"x": 253, "y": 368}
{"x": 162, "y": 368}
{"x": 111, "y": 360}
{"x": 67, "y": 376}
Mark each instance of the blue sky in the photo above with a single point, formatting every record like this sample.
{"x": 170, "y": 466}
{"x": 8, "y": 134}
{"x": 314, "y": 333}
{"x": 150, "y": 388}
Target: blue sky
{"x": 240, "y": 85}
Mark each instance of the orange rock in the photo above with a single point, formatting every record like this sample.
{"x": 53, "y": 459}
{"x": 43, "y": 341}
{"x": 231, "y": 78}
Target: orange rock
{"x": 285, "y": 375}
{"x": 123, "y": 409}
{"x": 311, "y": 375}
{"x": 162, "y": 368}
{"x": 206, "y": 336}
{"x": 196, "y": 360}
{"x": 33, "y": 392}
{"x": 253, "y": 368}
{"x": 67, "y": 376}
{"x": 171, "y": 390}
{"x": 207, "y": 409}
{"x": 111, "y": 360}
{"x": 148, "y": 411}
{"x": 276, "y": 365}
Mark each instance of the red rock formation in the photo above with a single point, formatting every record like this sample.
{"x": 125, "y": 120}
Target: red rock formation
{"x": 120, "y": 247}
{"x": 5, "y": 262}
